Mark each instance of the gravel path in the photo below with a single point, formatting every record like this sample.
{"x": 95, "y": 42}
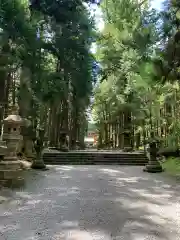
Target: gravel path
{"x": 92, "y": 203}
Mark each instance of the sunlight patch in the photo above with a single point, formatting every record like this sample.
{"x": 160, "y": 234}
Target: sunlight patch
{"x": 78, "y": 234}
{"x": 110, "y": 170}
{"x": 67, "y": 168}
{"x": 69, "y": 224}
{"x": 33, "y": 202}
{"x": 9, "y": 227}
{"x": 24, "y": 195}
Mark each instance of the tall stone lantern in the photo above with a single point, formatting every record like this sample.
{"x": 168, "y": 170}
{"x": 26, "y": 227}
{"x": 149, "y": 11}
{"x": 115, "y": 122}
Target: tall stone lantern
{"x": 153, "y": 165}
{"x": 10, "y": 166}
{"x": 38, "y": 162}
{"x": 27, "y": 132}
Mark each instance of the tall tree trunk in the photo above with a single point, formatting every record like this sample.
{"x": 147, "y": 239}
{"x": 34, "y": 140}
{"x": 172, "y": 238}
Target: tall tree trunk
{"x": 127, "y": 129}
{"x": 4, "y": 58}
{"x": 8, "y": 84}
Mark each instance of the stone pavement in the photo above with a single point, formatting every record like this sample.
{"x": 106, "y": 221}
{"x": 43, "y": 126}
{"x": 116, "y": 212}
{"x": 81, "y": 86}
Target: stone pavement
{"x": 92, "y": 203}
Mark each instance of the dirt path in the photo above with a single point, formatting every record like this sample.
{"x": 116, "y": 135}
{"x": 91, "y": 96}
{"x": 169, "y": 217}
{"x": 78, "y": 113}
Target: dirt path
{"x": 92, "y": 203}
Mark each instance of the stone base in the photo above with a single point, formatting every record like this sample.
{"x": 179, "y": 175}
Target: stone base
{"x": 156, "y": 168}
{"x": 38, "y": 164}
{"x": 11, "y": 174}
{"x": 128, "y": 149}
{"x": 11, "y": 159}
{"x": 12, "y": 183}
{"x": 63, "y": 148}
{"x": 10, "y": 165}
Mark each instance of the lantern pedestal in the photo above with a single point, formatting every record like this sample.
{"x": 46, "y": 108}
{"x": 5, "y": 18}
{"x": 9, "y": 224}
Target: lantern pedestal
{"x": 153, "y": 167}
{"x": 38, "y": 164}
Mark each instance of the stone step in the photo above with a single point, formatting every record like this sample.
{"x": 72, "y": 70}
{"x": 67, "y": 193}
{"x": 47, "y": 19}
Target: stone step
{"x": 87, "y": 157}
{"x": 142, "y": 163}
{"x": 98, "y": 163}
{"x": 64, "y": 158}
{"x": 101, "y": 156}
{"x": 93, "y": 156}
{"x": 94, "y": 159}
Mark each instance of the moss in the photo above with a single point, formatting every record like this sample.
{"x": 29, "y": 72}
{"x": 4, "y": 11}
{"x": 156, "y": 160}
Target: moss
{"x": 172, "y": 166}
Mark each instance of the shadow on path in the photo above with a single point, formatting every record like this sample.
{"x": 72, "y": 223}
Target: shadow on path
{"x": 92, "y": 202}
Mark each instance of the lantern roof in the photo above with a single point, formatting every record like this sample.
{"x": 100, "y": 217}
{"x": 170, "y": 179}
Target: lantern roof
{"x": 14, "y": 119}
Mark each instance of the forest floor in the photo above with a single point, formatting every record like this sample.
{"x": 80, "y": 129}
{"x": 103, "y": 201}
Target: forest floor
{"x": 92, "y": 203}
{"x": 172, "y": 166}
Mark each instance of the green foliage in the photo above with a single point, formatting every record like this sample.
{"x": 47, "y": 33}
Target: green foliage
{"x": 172, "y": 166}
{"x": 122, "y": 53}
{"x": 46, "y": 48}
{"x": 136, "y": 58}
{"x": 69, "y": 41}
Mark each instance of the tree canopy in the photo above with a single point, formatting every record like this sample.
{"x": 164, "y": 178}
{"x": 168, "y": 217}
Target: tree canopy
{"x": 46, "y": 66}
{"x": 138, "y": 91}
{"x": 46, "y": 63}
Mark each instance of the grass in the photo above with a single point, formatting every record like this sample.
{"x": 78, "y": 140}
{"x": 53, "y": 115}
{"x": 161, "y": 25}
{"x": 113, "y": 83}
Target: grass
{"x": 172, "y": 166}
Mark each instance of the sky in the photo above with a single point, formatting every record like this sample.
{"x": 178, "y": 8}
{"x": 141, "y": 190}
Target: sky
{"x": 157, "y": 4}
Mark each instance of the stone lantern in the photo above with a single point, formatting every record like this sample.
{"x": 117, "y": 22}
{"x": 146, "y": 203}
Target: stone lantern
{"x": 63, "y": 141}
{"x": 153, "y": 165}
{"x": 38, "y": 162}
{"x": 10, "y": 166}
{"x": 28, "y": 136}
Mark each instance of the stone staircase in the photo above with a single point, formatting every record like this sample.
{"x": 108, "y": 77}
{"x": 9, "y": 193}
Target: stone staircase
{"x": 52, "y": 157}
